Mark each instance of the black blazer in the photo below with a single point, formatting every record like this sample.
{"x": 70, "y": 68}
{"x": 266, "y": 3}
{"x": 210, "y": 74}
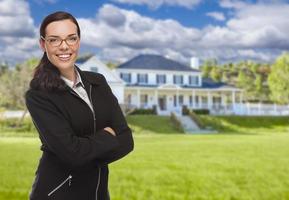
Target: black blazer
{"x": 76, "y": 148}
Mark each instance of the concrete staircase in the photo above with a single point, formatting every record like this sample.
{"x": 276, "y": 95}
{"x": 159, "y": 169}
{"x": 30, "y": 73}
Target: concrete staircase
{"x": 190, "y": 127}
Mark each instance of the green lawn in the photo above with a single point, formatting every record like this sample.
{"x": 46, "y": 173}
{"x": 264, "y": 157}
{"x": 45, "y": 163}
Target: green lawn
{"x": 247, "y": 124}
{"x": 175, "y": 166}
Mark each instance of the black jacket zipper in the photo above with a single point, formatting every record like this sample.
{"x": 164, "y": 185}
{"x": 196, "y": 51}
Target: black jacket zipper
{"x": 94, "y": 127}
{"x": 61, "y": 184}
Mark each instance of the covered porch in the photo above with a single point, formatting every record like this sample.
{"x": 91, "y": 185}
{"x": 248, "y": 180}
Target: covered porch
{"x": 171, "y": 98}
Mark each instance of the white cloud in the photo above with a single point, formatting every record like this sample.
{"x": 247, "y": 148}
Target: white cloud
{"x": 111, "y": 15}
{"x": 158, "y": 3}
{"x": 248, "y": 30}
{"x": 234, "y": 4}
{"x": 138, "y": 32}
{"x": 45, "y": 1}
{"x": 216, "y": 15}
{"x": 15, "y": 18}
{"x": 17, "y": 31}
{"x": 256, "y": 31}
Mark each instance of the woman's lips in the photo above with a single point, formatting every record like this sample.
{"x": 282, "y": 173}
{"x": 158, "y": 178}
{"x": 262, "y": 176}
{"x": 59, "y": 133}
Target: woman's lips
{"x": 64, "y": 57}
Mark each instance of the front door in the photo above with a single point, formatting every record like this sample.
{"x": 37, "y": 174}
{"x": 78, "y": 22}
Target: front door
{"x": 162, "y": 103}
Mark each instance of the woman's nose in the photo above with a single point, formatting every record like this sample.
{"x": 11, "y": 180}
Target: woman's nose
{"x": 63, "y": 45}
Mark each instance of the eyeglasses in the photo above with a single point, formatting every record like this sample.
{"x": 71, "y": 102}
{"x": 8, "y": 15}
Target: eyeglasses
{"x": 57, "y": 41}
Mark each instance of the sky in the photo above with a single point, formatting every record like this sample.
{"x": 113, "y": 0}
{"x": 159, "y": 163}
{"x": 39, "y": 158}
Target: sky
{"x": 118, "y": 30}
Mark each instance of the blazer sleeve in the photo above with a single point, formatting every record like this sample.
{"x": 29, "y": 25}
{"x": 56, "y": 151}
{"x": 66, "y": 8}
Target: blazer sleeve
{"x": 123, "y": 133}
{"x": 57, "y": 135}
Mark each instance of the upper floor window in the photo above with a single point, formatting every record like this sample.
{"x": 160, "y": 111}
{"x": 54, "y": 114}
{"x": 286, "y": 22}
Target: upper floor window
{"x": 161, "y": 78}
{"x": 193, "y": 80}
{"x": 126, "y": 77}
{"x": 178, "y": 79}
{"x": 142, "y": 78}
{"x": 94, "y": 69}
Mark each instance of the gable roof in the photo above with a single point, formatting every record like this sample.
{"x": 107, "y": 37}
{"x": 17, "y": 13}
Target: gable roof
{"x": 156, "y": 62}
{"x": 110, "y": 75}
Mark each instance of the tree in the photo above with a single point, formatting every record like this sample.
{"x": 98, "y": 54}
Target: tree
{"x": 206, "y": 71}
{"x": 216, "y": 74}
{"x": 278, "y": 80}
{"x": 3, "y": 68}
{"x": 112, "y": 65}
{"x": 242, "y": 79}
{"x": 14, "y": 83}
{"x": 258, "y": 90}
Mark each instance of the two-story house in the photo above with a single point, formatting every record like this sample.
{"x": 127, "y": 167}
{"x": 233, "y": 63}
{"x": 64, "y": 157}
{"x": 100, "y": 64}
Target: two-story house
{"x": 156, "y": 80}
{"x": 153, "y": 80}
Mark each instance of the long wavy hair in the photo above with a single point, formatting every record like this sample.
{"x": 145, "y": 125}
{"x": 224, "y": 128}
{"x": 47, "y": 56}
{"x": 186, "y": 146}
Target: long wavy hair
{"x": 46, "y": 76}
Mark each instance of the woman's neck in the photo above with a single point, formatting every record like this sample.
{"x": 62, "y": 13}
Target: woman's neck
{"x": 70, "y": 74}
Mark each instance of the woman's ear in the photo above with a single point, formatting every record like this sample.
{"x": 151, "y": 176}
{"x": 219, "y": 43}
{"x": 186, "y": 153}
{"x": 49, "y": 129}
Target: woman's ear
{"x": 42, "y": 44}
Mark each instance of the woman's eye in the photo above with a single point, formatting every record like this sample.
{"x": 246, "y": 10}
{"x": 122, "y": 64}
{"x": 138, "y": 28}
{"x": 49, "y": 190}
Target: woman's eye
{"x": 52, "y": 40}
{"x": 72, "y": 38}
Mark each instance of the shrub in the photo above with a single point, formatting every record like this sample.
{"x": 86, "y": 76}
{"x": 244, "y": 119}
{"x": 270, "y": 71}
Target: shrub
{"x": 201, "y": 111}
{"x": 11, "y": 125}
{"x": 185, "y": 110}
{"x": 142, "y": 111}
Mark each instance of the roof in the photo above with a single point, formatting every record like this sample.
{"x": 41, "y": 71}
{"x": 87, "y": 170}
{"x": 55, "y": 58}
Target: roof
{"x": 207, "y": 83}
{"x": 156, "y": 62}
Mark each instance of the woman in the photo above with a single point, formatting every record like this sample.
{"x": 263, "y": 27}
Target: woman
{"x": 81, "y": 126}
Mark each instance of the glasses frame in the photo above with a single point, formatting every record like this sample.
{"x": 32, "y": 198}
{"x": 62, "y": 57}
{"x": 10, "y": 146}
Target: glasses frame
{"x": 65, "y": 40}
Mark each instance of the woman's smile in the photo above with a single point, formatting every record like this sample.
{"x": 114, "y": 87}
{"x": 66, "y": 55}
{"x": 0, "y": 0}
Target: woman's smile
{"x": 64, "y": 57}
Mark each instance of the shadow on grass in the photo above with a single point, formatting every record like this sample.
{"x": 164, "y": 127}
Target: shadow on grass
{"x": 249, "y": 125}
{"x": 152, "y": 123}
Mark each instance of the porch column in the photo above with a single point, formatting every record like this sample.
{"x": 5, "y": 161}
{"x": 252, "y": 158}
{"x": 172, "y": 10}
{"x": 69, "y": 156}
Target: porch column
{"x": 209, "y": 95}
{"x": 224, "y": 102}
{"x": 138, "y": 98}
{"x": 193, "y": 98}
{"x": 177, "y": 98}
{"x": 156, "y": 97}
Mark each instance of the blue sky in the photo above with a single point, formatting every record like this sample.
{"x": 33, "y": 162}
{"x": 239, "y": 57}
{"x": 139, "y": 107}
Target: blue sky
{"x": 117, "y": 30}
{"x": 187, "y": 16}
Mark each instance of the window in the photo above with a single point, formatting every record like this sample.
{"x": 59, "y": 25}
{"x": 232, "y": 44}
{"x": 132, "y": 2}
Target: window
{"x": 94, "y": 69}
{"x": 126, "y": 77}
{"x": 191, "y": 100}
{"x": 161, "y": 78}
{"x": 178, "y": 79}
{"x": 181, "y": 100}
{"x": 193, "y": 80}
{"x": 142, "y": 78}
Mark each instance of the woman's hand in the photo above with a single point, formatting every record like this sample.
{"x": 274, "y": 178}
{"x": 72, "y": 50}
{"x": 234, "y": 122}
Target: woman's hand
{"x": 110, "y": 130}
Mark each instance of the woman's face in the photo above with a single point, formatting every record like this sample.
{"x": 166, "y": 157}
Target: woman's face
{"x": 61, "y": 53}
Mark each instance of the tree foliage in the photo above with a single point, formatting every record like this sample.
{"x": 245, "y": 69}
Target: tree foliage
{"x": 14, "y": 83}
{"x": 248, "y": 75}
{"x": 278, "y": 79}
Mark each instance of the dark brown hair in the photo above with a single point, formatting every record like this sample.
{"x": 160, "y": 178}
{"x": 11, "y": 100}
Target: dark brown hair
{"x": 46, "y": 75}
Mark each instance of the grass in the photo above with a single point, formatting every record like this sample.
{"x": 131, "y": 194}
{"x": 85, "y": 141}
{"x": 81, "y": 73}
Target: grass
{"x": 151, "y": 124}
{"x": 247, "y": 124}
{"x": 175, "y": 166}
